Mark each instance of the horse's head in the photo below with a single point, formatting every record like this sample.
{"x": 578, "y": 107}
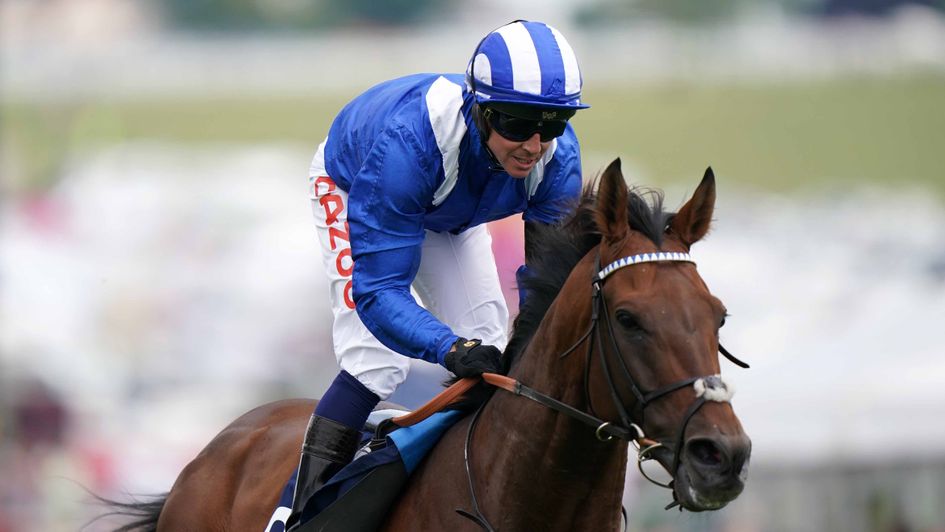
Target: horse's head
{"x": 658, "y": 363}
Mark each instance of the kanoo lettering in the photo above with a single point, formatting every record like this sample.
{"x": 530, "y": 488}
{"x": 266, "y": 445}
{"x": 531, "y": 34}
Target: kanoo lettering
{"x": 338, "y": 233}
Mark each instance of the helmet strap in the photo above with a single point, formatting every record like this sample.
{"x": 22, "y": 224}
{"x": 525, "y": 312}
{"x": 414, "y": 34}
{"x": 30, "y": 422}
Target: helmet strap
{"x": 494, "y": 164}
{"x": 482, "y": 125}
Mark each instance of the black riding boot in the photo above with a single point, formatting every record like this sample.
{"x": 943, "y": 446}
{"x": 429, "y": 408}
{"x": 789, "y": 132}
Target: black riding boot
{"x": 328, "y": 447}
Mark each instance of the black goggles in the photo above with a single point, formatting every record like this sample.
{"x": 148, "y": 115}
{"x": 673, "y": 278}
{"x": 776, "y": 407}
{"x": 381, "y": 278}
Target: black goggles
{"x": 521, "y": 129}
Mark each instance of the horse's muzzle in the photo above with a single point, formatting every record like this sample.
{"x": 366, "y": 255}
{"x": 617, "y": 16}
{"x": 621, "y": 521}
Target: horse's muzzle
{"x": 712, "y": 471}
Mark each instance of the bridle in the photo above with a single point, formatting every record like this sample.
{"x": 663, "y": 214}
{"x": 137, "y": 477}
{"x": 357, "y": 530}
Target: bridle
{"x": 707, "y": 388}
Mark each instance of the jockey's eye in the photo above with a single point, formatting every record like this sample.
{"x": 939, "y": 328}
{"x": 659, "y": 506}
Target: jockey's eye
{"x": 629, "y": 322}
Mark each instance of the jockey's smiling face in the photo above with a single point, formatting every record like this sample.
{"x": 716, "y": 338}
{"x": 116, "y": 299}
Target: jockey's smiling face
{"x": 517, "y": 157}
{"x": 518, "y": 136}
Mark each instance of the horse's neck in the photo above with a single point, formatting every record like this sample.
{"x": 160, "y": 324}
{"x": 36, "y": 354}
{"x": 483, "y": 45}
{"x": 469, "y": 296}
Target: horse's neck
{"x": 552, "y": 464}
{"x": 544, "y": 364}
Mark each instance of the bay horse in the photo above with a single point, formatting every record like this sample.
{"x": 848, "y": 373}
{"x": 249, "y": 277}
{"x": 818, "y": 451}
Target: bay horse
{"x": 617, "y": 327}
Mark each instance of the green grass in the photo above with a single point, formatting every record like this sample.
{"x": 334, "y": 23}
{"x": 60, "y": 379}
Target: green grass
{"x": 782, "y": 137}
{"x": 41, "y": 138}
{"x": 889, "y": 132}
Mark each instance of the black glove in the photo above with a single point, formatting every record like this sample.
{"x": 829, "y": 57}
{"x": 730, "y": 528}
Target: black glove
{"x": 471, "y": 358}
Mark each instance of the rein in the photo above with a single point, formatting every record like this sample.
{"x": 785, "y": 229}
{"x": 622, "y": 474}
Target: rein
{"x": 707, "y": 388}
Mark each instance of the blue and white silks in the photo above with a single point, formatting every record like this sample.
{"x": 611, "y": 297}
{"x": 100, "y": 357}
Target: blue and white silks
{"x": 411, "y": 159}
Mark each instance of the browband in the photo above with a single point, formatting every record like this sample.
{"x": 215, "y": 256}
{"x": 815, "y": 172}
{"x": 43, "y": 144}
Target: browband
{"x": 658, "y": 256}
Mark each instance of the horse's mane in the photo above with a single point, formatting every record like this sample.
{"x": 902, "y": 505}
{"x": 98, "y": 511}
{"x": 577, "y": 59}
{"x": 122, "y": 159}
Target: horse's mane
{"x": 554, "y": 250}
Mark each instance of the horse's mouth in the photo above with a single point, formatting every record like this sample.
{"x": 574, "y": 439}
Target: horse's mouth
{"x": 699, "y": 492}
{"x": 693, "y": 499}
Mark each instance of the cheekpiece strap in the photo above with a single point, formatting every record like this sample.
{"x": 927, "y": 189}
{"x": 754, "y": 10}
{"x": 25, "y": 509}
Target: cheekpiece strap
{"x": 659, "y": 256}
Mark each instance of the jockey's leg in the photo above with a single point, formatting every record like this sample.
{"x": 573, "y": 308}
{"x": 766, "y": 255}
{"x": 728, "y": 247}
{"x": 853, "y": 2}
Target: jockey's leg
{"x": 332, "y": 437}
{"x": 371, "y": 372}
{"x": 459, "y": 284}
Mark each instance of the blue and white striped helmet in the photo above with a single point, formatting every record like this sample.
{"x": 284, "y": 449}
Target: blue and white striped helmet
{"x": 527, "y": 63}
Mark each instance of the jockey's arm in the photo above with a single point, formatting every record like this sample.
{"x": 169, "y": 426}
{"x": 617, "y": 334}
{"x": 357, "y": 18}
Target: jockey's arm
{"x": 387, "y": 205}
{"x": 387, "y": 308}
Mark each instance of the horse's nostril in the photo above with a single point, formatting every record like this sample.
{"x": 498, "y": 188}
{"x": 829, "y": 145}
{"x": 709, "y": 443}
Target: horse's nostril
{"x": 705, "y": 452}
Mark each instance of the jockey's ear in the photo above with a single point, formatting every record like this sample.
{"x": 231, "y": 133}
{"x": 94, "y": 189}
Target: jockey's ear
{"x": 611, "y": 212}
{"x": 692, "y": 221}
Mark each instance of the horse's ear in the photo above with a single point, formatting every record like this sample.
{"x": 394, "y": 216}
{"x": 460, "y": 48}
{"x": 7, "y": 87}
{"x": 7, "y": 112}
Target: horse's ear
{"x": 692, "y": 221}
{"x": 612, "y": 203}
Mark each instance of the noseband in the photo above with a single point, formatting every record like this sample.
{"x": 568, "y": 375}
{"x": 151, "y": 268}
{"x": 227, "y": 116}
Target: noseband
{"x": 707, "y": 388}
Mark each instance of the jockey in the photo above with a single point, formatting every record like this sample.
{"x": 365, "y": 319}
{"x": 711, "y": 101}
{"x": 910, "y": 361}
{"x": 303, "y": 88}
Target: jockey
{"x": 401, "y": 188}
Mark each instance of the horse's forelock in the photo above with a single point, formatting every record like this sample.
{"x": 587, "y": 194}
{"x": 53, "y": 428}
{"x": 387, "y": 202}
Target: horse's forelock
{"x": 647, "y": 215}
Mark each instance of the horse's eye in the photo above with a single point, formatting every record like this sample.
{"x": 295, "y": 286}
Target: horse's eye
{"x": 722, "y": 323}
{"x": 628, "y": 321}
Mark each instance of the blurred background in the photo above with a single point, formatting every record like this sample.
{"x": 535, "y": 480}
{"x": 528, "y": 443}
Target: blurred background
{"x": 159, "y": 273}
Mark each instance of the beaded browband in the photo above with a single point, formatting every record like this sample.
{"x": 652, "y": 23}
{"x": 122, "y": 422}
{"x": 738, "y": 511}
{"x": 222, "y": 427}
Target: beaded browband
{"x": 659, "y": 256}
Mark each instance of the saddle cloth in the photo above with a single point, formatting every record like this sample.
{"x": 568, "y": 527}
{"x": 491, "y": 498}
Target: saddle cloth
{"x": 357, "y": 498}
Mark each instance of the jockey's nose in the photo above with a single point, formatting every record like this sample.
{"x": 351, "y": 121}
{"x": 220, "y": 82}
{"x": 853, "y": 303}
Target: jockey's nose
{"x": 533, "y": 144}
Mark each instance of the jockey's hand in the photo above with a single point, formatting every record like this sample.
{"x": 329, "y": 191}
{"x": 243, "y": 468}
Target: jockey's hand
{"x": 471, "y": 358}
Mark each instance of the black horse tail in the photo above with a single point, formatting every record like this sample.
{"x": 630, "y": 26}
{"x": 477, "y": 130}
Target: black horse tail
{"x": 142, "y": 515}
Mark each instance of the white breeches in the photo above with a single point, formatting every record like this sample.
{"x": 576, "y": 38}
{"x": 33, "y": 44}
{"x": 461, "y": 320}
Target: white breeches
{"x": 457, "y": 282}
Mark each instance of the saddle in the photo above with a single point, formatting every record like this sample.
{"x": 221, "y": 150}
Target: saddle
{"x": 395, "y": 441}
{"x": 364, "y": 505}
